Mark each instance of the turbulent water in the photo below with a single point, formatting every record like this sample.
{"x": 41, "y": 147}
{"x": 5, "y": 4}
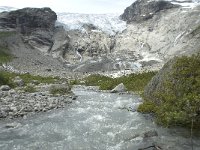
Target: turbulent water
{"x": 94, "y": 121}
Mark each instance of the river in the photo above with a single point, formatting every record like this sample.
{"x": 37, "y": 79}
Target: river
{"x": 95, "y": 121}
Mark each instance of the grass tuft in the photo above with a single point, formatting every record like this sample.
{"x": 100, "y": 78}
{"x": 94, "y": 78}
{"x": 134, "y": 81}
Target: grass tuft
{"x": 6, "y": 78}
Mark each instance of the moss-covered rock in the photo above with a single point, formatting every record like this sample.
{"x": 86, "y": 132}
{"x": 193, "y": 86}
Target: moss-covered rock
{"x": 174, "y": 93}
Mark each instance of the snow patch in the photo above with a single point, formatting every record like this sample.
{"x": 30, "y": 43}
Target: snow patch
{"x": 6, "y": 8}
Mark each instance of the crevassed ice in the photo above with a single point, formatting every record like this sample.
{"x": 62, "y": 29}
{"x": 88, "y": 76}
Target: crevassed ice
{"x": 109, "y": 23}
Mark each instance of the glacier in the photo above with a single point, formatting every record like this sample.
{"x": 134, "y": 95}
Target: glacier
{"x": 108, "y": 23}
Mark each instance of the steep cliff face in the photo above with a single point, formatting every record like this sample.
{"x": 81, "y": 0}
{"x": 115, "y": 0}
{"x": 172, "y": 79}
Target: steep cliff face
{"x": 29, "y": 18}
{"x": 36, "y": 25}
{"x": 164, "y": 36}
{"x": 32, "y": 35}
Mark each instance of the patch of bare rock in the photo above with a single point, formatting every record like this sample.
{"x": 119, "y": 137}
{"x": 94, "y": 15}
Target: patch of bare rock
{"x": 18, "y": 103}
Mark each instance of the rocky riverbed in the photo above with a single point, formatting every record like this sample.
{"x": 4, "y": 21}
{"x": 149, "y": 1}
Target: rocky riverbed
{"x": 18, "y": 103}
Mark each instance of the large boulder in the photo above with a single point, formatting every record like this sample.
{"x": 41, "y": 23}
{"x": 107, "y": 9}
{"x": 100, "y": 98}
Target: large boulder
{"x": 142, "y": 10}
{"x": 156, "y": 85}
{"x": 173, "y": 94}
{"x": 119, "y": 88}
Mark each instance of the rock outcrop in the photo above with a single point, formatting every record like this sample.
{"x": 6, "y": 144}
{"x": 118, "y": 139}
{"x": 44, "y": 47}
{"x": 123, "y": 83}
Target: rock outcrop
{"x": 156, "y": 85}
{"x": 165, "y": 35}
{"x": 32, "y": 36}
{"x": 35, "y": 24}
{"x": 173, "y": 94}
{"x": 142, "y": 10}
{"x": 29, "y": 19}
{"x": 61, "y": 42}
{"x": 176, "y": 79}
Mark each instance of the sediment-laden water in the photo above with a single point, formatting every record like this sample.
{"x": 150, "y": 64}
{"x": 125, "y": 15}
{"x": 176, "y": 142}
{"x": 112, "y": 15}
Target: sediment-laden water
{"x": 95, "y": 121}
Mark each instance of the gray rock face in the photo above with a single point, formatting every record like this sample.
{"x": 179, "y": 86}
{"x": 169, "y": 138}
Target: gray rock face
{"x": 35, "y": 24}
{"x": 85, "y": 46}
{"x": 142, "y": 10}
{"x": 159, "y": 39}
{"x": 157, "y": 82}
{"x": 119, "y": 88}
{"x": 28, "y": 19}
{"x": 61, "y": 43}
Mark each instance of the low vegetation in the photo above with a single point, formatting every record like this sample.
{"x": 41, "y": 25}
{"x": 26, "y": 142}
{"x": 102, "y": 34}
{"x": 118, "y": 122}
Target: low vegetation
{"x": 177, "y": 103}
{"x": 5, "y": 55}
{"x": 60, "y": 90}
{"x": 4, "y": 34}
{"x": 133, "y": 82}
{"x": 29, "y": 89}
{"x": 6, "y": 78}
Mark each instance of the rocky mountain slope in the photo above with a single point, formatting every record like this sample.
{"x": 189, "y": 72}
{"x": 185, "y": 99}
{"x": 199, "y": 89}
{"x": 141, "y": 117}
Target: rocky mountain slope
{"x": 31, "y": 37}
{"x": 142, "y": 10}
{"x": 155, "y": 32}
{"x": 165, "y": 35}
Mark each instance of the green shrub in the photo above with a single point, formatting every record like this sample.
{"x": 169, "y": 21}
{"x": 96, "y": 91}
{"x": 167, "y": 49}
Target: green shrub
{"x": 29, "y": 89}
{"x": 75, "y": 82}
{"x": 60, "y": 90}
{"x": 7, "y": 78}
{"x": 179, "y": 98}
{"x": 147, "y": 107}
{"x": 28, "y": 78}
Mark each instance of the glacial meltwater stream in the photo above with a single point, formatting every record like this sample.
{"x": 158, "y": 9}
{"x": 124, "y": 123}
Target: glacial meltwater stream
{"x": 95, "y": 121}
